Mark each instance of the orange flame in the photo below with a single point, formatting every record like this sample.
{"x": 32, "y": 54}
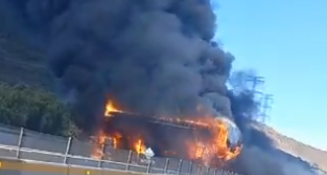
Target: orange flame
{"x": 217, "y": 147}
{"x": 98, "y": 150}
{"x": 100, "y": 143}
{"x": 199, "y": 150}
{"x": 110, "y": 107}
{"x": 115, "y": 139}
{"x": 205, "y": 151}
{"x": 221, "y": 142}
{"x": 139, "y": 147}
{"x": 101, "y": 138}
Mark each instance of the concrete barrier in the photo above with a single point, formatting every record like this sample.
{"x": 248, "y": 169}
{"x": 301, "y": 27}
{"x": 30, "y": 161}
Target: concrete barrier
{"x": 23, "y": 167}
{"x": 10, "y": 167}
{"x": 19, "y": 167}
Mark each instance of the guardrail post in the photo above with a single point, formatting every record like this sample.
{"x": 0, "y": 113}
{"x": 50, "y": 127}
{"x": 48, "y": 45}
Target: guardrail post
{"x": 103, "y": 153}
{"x": 20, "y": 140}
{"x": 199, "y": 169}
{"x": 69, "y": 142}
{"x": 180, "y": 166}
{"x": 149, "y": 166}
{"x": 100, "y": 162}
{"x": 129, "y": 158}
{"x": 166, "y": 166}
{"x": 190, "y": 168}
{"x": 207, "y": 170}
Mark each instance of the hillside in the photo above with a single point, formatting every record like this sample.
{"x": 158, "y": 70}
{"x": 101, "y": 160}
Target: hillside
{"x": 21, "y": 64}
{"x": 297, "y": 149}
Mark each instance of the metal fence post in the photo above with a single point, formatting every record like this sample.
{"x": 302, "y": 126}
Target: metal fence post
{"x": 149, "y": 166}
{"x": 190, "y": 168}
{"x": 180, "y": 166}
{"x": 207, "y": 170}
{"x": 129, "y": 158}
{"x": 199, "y": 169}
{"x": 20, "y": 140}
{"x": 166, "y": 166}
{"x": 103, "y": 153}
{"x": 67, "y": 149}
{"x": 100, "y": 163}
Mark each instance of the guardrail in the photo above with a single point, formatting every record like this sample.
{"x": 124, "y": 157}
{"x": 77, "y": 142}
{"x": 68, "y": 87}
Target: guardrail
{"x": 28, "y": 145}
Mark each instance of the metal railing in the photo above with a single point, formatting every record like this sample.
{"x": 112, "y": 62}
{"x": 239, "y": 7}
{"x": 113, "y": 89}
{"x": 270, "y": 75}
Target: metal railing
{"x": 30, "y": 145}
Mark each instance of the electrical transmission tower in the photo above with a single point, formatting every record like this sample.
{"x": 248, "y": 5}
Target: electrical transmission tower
{"x": 266, "y": 103}
{"x": 256, "y": 81}
{"x": 265, "y": 100}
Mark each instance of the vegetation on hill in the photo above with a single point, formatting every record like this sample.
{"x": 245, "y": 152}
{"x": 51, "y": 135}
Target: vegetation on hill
{"x": 34, "y": 109}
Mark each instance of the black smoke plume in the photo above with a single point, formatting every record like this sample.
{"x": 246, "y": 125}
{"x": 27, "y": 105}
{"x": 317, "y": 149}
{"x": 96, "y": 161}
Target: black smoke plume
{"x": 151, "y": 56}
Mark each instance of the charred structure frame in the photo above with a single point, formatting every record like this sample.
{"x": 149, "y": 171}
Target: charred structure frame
{"x": 166, "y": 138}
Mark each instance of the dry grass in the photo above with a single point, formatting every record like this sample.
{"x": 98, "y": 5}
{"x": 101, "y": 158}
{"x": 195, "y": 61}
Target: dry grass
{"x": 297, "y": 149}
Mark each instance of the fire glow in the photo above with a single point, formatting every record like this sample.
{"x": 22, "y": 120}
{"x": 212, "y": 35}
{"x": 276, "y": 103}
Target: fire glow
{"x": 206, "y": 151}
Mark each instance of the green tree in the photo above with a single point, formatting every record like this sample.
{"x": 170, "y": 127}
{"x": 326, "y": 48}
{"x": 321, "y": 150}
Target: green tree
{"x": 34, "y": 109}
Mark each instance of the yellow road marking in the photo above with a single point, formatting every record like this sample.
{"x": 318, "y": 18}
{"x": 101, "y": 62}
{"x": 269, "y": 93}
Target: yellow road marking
{"x": 18, "y": 165}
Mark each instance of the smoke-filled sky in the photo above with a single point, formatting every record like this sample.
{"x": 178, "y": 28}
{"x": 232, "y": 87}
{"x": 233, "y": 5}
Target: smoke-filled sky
{"x": 286, "y": 42}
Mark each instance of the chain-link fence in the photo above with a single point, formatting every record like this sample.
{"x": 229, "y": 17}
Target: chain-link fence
{"x": 29, "y": 145}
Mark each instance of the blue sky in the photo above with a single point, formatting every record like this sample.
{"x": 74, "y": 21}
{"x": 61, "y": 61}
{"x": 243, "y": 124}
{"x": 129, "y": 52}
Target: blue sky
{"x": 286, "y": 42}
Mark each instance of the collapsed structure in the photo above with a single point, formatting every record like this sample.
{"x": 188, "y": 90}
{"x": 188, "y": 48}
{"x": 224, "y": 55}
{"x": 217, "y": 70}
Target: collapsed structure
{"x": 209, "y": 141}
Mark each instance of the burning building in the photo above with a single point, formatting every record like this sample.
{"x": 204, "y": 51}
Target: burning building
{"x": 209, "y": 141}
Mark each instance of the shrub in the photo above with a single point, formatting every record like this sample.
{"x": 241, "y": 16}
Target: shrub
{"x": 34, "y": 109}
